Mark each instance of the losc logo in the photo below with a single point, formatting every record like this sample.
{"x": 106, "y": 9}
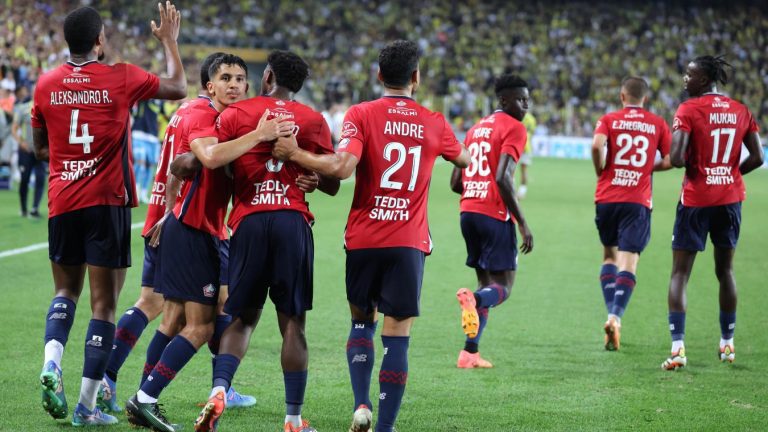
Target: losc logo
{"x": 348, "y": 129}
{"x": 677, "y": 123}
{"x": 401, "y": 104}
{"x": 280, "y": 103}
{"x": 209, "y": 291}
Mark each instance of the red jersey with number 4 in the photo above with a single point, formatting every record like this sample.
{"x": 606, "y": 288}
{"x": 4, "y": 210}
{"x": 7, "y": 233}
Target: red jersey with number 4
{"x": 717, "y": 126}
{"x": 486, "y": 141}
{"x": 86, "y": 111}
{"x": 203, "y": 199}
{"x": 171, "y": 141}
{"x": 262, "y": 183}
{"x": 396, "y": 141}
{"x": 634, "y": 137}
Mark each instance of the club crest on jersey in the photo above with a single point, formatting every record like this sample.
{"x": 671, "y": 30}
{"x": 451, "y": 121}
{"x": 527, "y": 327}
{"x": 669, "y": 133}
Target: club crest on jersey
{"x": 677, "y": 123}
{"x": 634, "y": 114}
{"x": 348, "y": 129}
{"x": 209, "y": 291}
{"x": 279, "y": 103}
{"x": 719, "y": 103}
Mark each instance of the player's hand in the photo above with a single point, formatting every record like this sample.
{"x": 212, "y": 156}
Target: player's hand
{"x": 270, "y": 129}
{"x": 284, "y": 148}
{"x": 527, "y": 236}
{"x": 170, "y": 21}
{"x": 307, "y": 183}
{"x": 154, "y": 232}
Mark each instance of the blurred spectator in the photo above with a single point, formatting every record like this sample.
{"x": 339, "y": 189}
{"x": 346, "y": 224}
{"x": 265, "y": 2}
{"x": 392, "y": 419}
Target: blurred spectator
{"x": 145, "y": 143}
{"x": 28, "y": 163}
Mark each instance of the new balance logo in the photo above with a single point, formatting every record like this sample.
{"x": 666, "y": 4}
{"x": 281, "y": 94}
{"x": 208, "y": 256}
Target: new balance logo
{"x": 359, "y": 326}
{"x": 672, "y": 327}
{"x": 619, "y": 292}
{"x": 382, "y": 396}
{"x": 59, "y": 305}
{"x": 129, "y": 312}
{"x": 149, "y": 378}
{"x": 95, "y": 341}
{"x": 58, "y": 316}
{"x": 731, "y": 326}
{"x": 360, "y": 358}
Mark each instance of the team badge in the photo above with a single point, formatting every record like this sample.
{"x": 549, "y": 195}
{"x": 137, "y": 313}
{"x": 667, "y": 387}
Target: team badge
{"x": 677, "y": 123}
{"x": 209, "y": 290}
{"x": 348, "y": 129}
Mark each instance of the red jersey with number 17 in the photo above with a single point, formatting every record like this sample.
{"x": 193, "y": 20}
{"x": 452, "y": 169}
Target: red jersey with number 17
{"x": 486, "y": 141}
{"x": 85, "y": 110}
{"x": 717, "y": 126}
{"x": 396, "y": 141}
{"x": 634, "y": 137}
{"x": 262, "y": 183}
{"x": 173, "y": 135}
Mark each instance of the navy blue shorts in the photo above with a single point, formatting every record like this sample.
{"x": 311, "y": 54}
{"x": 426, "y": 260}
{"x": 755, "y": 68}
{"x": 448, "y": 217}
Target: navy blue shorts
{"x": 271, "y": 253}
{"x": 385, "y": 278}
{"x": 692, "y": 224}
{"x": 491, "y": 243}
{"x": 224, "y": 258}
{"x": 148, "y": 271}
{"x": 189, "y": 264}
{"x": 98, "y": 235}
{"x": 626, "y": 225}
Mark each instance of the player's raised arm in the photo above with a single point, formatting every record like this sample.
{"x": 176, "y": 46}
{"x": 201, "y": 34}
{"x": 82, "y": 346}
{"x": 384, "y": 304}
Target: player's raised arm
{"x": 755, "y": 149}
{"x": 463, "y": 159}
{"x": 173, "y": 86}
{"x": 505, "y": 175}
{"x": 598, "y": 153}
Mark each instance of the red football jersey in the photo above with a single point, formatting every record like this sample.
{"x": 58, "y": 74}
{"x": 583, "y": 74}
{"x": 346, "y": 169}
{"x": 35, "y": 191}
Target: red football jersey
{"x": 262, "y": 183}
{"x": 396, "y": 141}
{"x": 634, "y": 137}
{"x": 717, "y": 125}
{"x": 203, "y": 199}
{"x": 486, "y": 141}
{"x": 172, "y": 139}
{"x": 86, "y": 112}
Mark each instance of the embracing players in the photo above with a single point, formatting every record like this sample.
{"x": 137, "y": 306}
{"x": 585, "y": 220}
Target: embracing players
{"x": 81, "y": 125}
{"x": 709, "y": 129}
{"x": 624, "y": 155}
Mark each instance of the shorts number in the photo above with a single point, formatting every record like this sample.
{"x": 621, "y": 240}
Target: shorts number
{"x": 85, "y": 140}
{"x": 731, "y": 132}
{"x": 402, "y": 153}
{"x": 627, "y": 142}
{"x": 478, "y": 164}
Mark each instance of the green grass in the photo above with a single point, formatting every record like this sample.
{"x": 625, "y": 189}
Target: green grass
{"x": 551, "y": 372}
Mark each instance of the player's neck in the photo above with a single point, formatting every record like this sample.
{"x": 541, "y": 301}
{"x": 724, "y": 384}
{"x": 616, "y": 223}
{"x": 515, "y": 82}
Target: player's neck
{"x": 407, "y": 92}
{"x": 281, "y": 93}
{"x": 80, "y": 58}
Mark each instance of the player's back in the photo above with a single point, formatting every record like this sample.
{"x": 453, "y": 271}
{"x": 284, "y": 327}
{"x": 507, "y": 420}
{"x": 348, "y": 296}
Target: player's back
{"x": 262, "y": 183}
{"x": 396, "y": 141}
{"x": 85, "y": 109}
{"x": 635, "y": 135}
{"x": 717, "y": 126}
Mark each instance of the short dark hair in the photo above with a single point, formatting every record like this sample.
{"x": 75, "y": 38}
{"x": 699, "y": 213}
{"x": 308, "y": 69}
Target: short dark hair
{"x": 205, "y": 65}
{"x": 290, "y": 70}
{"x": 226, "y": 59}
{"x": 508, "y": 81}
{"x": 714, "y": 68}
{"x": 81, "y": 29}
{"x": 397, "y": 62}
{"x": 635, "y": 87}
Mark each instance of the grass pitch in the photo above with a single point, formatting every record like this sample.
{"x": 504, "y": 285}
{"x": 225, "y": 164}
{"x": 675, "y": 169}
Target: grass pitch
{"x": 551, "y": 372}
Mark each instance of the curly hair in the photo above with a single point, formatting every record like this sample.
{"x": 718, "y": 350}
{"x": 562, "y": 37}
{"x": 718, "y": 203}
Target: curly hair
{"x": 290, "y": 69}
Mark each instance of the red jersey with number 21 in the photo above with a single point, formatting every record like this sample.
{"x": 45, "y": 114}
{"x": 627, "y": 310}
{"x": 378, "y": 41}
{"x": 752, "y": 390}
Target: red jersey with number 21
{"x": 86, "y": 110}
{"x": 396, "y": 141}
{"x": 717, "y": 126}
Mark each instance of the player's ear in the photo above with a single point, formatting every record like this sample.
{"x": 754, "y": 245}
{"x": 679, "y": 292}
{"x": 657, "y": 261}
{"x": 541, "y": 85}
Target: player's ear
{"x": 416, "y": 77}
{"x": 645, "y": 100}
{"x": 247, "y": 86}
{"x": 379, "y": 76}
{"x": 209, "y": 86}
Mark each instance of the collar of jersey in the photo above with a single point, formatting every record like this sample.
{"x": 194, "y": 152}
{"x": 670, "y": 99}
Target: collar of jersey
{"x": 71, "y": 63}
{"x": 398, "y": 97}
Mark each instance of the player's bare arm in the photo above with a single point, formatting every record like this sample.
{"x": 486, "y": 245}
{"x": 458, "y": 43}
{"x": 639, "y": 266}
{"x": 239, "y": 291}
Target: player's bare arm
{"x": 338, "y": 165}
{"x": 755, "y": 149}
{"x": 40, "y": 142}
{"x": 185, "y": 165}
{"x": 680, "y": 140}
{"x": 456, "y": 184}
{"x": 462, "y": 161}
{"x": 663, "y": 164}
{"x": 505, "y": 175}
{"x": 598, "y": 154}
{"x": 173, "y": 86}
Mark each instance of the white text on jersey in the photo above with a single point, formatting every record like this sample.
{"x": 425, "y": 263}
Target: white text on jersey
{"x": 406, "y": 129}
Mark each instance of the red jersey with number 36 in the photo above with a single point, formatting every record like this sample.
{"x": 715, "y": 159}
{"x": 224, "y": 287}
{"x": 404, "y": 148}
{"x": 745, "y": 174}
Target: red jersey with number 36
{"x": 634, "y": 137}
{"x": 85, "y": 110}
{"x": 173, "y": 135}
{"x": 717, "y": 126}
{"x": 262, "y": 183}
{"x": 486, "y": 141}
{"x": 396, "y": 141}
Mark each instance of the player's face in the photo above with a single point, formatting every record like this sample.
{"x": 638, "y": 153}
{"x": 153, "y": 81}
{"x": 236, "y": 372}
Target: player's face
{"x": 693, "y": 80}
{"x": 516, "y": 103}
{"x": 228, "y": 85}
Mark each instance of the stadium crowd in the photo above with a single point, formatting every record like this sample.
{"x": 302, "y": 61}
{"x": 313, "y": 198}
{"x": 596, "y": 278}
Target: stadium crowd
{"x": 574, "y": 54}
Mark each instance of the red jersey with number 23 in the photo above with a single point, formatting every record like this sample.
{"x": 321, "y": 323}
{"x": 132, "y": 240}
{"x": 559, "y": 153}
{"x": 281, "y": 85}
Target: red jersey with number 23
{"x": 717, "y": 126}
{"x": 86, "y": 111}
{"x": 262, "y": 183}
{"x": 634, "y": 137}
{"x": 396, "y": 141}
{"x": 486, "y": 141}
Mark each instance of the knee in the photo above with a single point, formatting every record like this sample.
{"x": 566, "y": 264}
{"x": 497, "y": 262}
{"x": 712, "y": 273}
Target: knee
{"x": 723, "y": 272}
{"x": 150, "y": 305}
{"x": 198, "y": 334}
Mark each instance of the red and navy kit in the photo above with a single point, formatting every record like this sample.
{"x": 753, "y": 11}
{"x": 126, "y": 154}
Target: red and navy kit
{"x": 86, "y": 111}
{"x": 396, "y": 141}
{"x": 717, "y": 126}
{"x": 497, "y": 134}
{"x": 173, "y": 136}
{"x": 634, "y": 137}
{"x": 262, "y": 183}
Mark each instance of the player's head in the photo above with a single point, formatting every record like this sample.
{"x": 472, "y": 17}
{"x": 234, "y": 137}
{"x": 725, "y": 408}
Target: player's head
{"x": 84, "y": 32}
{"x": 634, "y": 91}
{"x": 227, "y": 80}
{"x": 284, "y": 69}
{"x": 204, "y": 66}
{"x": 512, "y": 93}
{"x": 703, "y": 74}
{"x": 399, "y": 65}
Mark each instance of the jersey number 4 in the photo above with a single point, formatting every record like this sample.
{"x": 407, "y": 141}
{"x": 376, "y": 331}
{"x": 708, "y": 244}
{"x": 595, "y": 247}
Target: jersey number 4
{"x": 401, "y": 155}
{"x": 85, "y": 140}
{"x": 627, "y": 142}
